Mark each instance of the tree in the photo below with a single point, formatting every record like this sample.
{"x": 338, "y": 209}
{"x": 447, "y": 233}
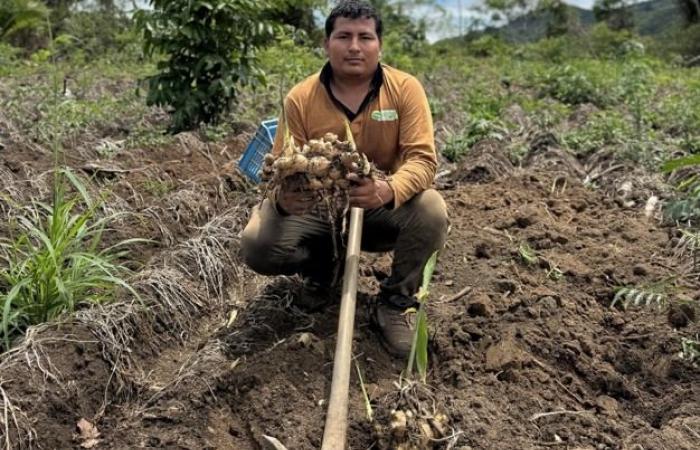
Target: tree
{"x": 209, "y": 50}
{"x": 616, "y": 13}
{"x": 691, "y": 10}
{"x": 19, "y": 19}
{"x": 560, "y": 17}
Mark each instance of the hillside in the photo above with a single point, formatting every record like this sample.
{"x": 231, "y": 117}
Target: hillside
{"x": 651, "y": 18}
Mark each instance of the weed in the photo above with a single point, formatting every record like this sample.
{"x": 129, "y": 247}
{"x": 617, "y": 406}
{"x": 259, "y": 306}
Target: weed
{"x": 601, "y": 129}
{"x": 571, "y": 85}
{"x": 55, "y": 263}
{"x": 627, "y": 297}
{"x": 527, "y": 254}
{"x": 690, "y": 350}
{"x": 159, "y": 188}
{"x": 458, "y": 144}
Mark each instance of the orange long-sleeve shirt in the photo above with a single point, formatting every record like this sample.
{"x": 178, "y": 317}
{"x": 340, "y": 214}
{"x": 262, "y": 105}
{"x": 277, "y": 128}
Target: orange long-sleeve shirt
{"x": 394, "y": 129}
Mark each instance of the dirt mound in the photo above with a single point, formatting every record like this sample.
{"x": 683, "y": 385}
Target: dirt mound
{"x": 531, "y": 355}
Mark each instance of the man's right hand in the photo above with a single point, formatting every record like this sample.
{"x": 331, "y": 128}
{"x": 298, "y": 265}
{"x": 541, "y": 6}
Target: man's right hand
{"x": 296, "y": 203}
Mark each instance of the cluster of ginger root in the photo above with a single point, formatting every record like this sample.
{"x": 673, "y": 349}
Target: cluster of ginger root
{"x": 320, "y": 167}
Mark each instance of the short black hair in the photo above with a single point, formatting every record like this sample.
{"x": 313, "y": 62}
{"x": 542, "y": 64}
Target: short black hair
{"x": 354, "y": 9}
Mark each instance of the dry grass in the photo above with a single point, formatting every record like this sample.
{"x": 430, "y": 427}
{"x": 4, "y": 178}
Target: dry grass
{"x": 171, "y": 301}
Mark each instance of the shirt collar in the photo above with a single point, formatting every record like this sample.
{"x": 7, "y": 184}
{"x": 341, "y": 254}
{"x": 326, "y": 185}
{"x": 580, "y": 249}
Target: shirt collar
{"x": 326, "y": 76}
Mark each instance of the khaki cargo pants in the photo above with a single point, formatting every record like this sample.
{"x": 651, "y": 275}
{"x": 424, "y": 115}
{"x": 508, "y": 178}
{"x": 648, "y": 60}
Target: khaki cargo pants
{"x": 272, "y": 244}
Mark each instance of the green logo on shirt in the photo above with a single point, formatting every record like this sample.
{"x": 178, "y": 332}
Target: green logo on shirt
{"x": 384, "y": 115}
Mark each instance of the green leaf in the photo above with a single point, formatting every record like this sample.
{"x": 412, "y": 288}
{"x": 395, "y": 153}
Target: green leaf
{"x": 691, "y": 160}
{"x": 427, "y": 276}
{"x": 422, "y": 343}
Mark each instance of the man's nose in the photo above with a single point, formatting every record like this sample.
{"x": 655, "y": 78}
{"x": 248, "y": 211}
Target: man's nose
{"x": 355, "y": 44}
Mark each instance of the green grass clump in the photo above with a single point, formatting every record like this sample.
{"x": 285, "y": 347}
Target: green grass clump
{"x": 457, "y": 144}
{"x": 56, "y": 263}
{"x": 601, "y": 129}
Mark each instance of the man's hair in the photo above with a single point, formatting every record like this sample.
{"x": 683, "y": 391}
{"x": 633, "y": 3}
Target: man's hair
{"x": 354, "y": 9}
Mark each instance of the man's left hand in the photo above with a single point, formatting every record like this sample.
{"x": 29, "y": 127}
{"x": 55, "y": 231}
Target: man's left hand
{"x": 368, "y": 193}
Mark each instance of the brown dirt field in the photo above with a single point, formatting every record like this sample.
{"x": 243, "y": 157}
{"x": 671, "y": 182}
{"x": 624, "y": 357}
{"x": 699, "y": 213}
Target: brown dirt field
{"x": 529, "y": 358}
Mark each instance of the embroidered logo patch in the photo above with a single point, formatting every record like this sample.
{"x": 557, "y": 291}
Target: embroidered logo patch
{"x": 384, "y": 115}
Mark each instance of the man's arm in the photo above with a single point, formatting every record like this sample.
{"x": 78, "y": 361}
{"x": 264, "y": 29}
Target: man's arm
{"x": 416, "y": 145}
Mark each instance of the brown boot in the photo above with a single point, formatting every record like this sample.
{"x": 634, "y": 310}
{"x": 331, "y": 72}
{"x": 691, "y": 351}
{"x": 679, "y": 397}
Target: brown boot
{"x": 396, "y": 327}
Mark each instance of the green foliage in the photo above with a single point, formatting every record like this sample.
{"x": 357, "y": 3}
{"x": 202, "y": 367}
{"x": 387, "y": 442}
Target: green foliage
{"x": 602, "y": 129}
{"x": 20, "y": 19}
{"x": 679, "y": 115}
{"x": 210, "y": 51}
{"x": 687, "y": 206}
{"x": 606, "y": 42}
{"x": 419, "y": 347}
{"x": 637, "y": 89}
{"x": 286, "y": 63}
{"x": 487, "y": 46}
{"x": 615, "y": 13}
{"x": 527, "y": 255}
{"x": 457, "y": 144}
{"x": 561, "y": 17}
{"x": 55, "y": 263}
{"x": 95, "y": 32}
{"x": 572, "y": 85}
{"x": 690, "y": 350}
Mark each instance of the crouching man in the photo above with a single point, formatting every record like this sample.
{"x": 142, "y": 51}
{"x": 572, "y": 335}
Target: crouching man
{"x": 391, "y": 123}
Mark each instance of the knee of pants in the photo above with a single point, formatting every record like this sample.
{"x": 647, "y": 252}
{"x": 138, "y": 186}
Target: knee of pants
{"x": 431, "y": 211}
{"x": 254, "y": 255}
{"x": 261, "y": 255}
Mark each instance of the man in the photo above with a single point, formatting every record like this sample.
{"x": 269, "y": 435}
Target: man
{"x": 391, "y": 123}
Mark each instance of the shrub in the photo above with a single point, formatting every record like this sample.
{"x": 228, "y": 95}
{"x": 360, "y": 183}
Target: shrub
{"x": 458, "y": 144}
{"x": 603, "y": 128}
{"x": 572, "y": 85}
{"x": 210, "y": 51}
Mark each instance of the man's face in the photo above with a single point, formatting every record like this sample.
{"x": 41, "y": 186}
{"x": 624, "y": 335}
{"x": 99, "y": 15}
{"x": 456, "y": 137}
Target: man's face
{"x": 353, "y": 47}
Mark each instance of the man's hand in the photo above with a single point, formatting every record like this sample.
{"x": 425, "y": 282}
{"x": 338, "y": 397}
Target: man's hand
{"x": 296, "y": 202}
{"x": 368, "y": 193}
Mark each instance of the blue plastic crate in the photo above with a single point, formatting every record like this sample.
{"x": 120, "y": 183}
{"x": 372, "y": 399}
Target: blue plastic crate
{"x": 252, "y": 160}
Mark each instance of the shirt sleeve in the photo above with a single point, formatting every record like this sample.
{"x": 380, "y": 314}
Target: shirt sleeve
{"x": 418, "y": 161}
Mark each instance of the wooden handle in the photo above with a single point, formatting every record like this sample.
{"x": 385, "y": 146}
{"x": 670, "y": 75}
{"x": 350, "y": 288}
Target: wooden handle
{"x": 337, "y": 416}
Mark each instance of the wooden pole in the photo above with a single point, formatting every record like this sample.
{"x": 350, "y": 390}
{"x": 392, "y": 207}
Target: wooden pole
{"x": 337, "y": 416}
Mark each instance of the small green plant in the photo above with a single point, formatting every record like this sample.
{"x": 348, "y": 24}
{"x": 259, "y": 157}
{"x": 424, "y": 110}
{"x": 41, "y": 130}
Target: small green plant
{"x": 419, "y": 347}
{"x": 601, "y": 129}
{"x": 632, "y": 296}
{"x": 55, "y": 263}
{"x": 690, "y": 350}
{"x": 554, "y": 272}
{"x": 687, "y": 206}
{"x": 458, "y": 144}
{"x": 527, "y": 254}
{"x": 159, "y": 188}
{"x": 636, "y": 91}
{"x": 571, "y": 85}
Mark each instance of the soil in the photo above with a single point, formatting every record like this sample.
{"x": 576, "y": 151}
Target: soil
{"x": 531, "y": 356}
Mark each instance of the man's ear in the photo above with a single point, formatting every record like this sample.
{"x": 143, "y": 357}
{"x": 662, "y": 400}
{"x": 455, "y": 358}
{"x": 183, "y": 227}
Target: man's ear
{"x": 325, "y": 45}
